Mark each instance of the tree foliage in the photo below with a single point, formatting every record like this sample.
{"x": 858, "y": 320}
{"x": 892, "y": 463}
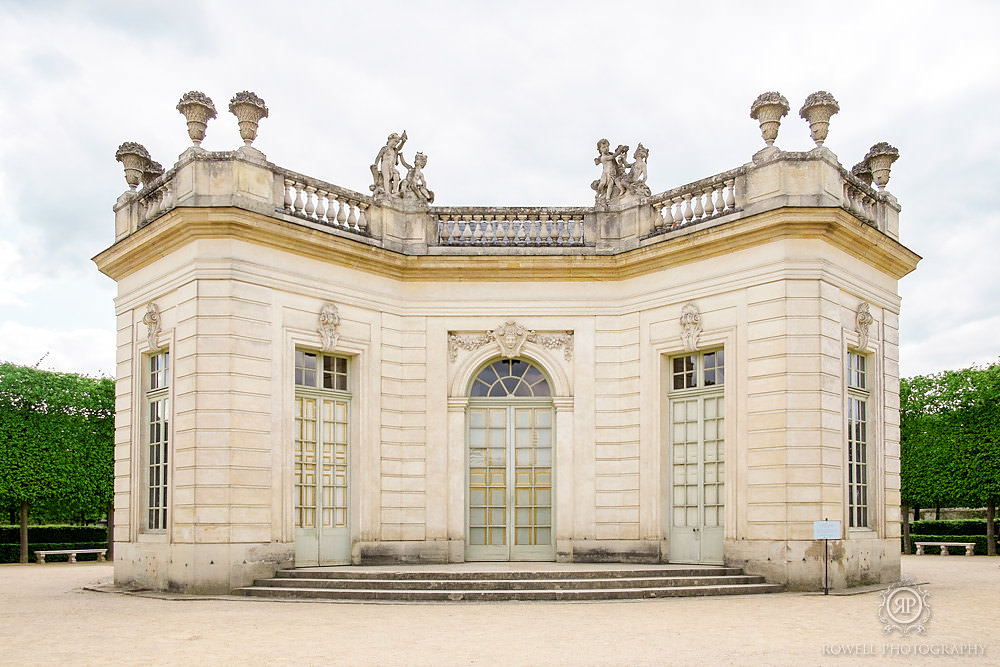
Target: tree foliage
{"x": 56, "y": 438}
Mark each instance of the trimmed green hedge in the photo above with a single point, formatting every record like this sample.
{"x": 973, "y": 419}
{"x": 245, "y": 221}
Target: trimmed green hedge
{"x": 952, "y": 527}
{"x": 980, "y": 541}
{"x": 51, "y": 537}
{"x": 12, "y": 534}
{"x": 11, "y": 553}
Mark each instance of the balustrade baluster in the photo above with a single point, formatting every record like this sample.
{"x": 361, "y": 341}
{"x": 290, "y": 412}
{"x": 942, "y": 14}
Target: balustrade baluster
{"x": 310, "y": 209}
{"x": 288, "y": 194}
{"x": 341, "y": 213}
{"x": 730, "y": 195}
{"x": 537, "y": 236}
{"x": 321, "y": 205}
{"x": 709, "y": 205}
{"x": 467, "y": 227}
{"x": 168, "y": 197}
{"x": 699, "y": 212}
{"x": 720, "y": 203}
{"x": 298, "y": 205}
{"x": 362, "y": 218}
{"x": 678, "y": 212}
{"x": 520, "y": 234}
{"x": 352, "y": 219}
{"x": 449, "y": 224}
{"x": 688, "y": 213}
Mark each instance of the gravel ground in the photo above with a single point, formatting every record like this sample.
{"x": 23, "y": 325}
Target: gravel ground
{"x": 49, "y": 618}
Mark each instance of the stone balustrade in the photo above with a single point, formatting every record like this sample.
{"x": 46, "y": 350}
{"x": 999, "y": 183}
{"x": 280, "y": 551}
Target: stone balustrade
{"x": 154, "y": 200}
{"x": 322, "y": 202}
{"x": 702, "y": 200}
{"x": 510, "y": 226}
{"x": 860, "y": 199}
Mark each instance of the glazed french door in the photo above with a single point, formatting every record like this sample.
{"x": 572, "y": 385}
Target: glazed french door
{"x": 509, "y": 482}
{"x": 697, "y": 477}
{"x": 322, "y": 536}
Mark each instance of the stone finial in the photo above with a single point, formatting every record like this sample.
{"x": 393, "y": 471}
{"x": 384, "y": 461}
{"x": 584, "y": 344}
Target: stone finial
{"x": 134, "y": 158}
{"x": 863, "y": 172}
{"x": 150, "y": 173}
{"x": 768, "y": 109}
{"x": 198, "y": 109}
{"x": 819, "y": 107}
{"x": 249, "y": 110}
{"x": 879, "y": 160}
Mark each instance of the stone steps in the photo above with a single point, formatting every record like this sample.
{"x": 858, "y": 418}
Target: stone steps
{"x": 420, "y": 585}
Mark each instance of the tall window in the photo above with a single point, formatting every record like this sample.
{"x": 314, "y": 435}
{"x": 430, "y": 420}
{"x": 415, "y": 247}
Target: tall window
{"x": 158, "y": 443}
{"x": 697, "y": 438}
{"x": 322, "y": 406}
{"x": 857, "y": 440}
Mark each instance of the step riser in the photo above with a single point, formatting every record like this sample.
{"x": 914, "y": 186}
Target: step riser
{"x": 505, "y": 584}
{"x": 505, "y": 596}
{"x": 506, "y": 575}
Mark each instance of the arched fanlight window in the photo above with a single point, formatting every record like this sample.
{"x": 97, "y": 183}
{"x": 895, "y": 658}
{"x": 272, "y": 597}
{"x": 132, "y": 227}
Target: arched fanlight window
{"x": 510, "y": 378}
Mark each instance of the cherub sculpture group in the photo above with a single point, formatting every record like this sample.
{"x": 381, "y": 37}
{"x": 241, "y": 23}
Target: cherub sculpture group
{"x": 618, "y": 175}
{"x": 387, "y": 180}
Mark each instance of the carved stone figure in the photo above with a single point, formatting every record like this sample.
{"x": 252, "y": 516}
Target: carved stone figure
{"x": 511, "y": 337}
{"x": 618, "y": 175}
{"x": 152, "y": 321}
{"x": 863, "y": 322}
{"x": 384, "y": 170}
{"x": 690, "y": 327}
{"x": 414, "y": 183}
{"x": 329, "y": 326}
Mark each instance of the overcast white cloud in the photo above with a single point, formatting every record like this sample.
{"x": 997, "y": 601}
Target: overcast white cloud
{"x": 507, "y": 99}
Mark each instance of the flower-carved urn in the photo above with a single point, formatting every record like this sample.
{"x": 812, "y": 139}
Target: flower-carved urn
{"x": 248, "y": 109}
{"x": 863, "y": 172}
{"x": 879, "y": 160}
{"x": 819, "y": 107}
{"x": 198, "y": 109}
{"x": 768, "y": 109}
{"x": 134, "y": 159}
{"x": 151, "y": 172}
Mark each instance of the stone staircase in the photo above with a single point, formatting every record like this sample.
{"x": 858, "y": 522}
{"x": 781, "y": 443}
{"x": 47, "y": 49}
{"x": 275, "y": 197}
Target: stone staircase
{"x": 484, "y": 582}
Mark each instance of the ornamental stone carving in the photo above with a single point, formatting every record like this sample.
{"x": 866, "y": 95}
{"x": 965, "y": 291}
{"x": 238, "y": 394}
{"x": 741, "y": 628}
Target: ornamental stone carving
{"x": 863, "y": 322}
{"x": 819, "y": 107}
{"x": 151, "y": 172}
{"x": 134, "y": 158}
{"x": 619, "y": 176}
{"x": 249, "y": 110}
{"x": 385, "y": 173}
{"x": 768, "y": 109}
{"x": 690, "y": 327}
{"x": 510, "y": 338}
{"x": 198, "y": 109}
{"x": 329, "y": 327}
{"x": 152, "y": 321}
{"x": 879, "y": 159}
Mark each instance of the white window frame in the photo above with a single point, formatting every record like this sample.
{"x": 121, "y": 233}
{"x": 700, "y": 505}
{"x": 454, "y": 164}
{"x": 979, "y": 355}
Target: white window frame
{"x": 860, "y": 443}
{"x": 156, "y": 440}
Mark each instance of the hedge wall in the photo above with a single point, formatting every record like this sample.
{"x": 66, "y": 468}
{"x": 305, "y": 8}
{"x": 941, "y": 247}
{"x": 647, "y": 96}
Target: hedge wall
{"x": 51, "y": 537}
{"x": 952, "y": 527}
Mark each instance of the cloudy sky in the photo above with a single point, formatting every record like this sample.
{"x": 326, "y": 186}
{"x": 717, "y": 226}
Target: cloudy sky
{"x": 507, "y": 99}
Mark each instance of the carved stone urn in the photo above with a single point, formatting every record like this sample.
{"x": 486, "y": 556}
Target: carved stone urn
{"x": 248, "y": 109}
{"x": 863, "y": 172}
{"x": 879, "y": 160}
{"x": 198, "y": 109}
{"x": 134, "y": 159}
{"x": 768, "y": 109}
{"x": 151, "y": 172}
{"x": 819, "y": 107}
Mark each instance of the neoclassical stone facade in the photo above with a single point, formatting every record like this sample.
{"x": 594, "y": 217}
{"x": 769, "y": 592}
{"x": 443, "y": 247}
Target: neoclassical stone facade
{"x": 313, "y": 375}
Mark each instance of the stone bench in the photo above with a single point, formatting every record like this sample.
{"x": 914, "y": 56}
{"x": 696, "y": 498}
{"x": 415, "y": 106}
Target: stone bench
{"x": 72, "y": 554}
{"x": 970, "y": 547}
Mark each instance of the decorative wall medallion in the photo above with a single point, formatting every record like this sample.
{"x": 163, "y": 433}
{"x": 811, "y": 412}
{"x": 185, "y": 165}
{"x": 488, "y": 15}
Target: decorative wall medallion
{"x": 863, "y": 322}
{"x": 510, "y": 337}
{"x": 690, "y": 327}
{"x": 152, "y": 321}
{"x": 329, "y": 326}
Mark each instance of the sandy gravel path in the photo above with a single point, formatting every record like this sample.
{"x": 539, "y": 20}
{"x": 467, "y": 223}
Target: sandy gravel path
{"x": 47, "y": 618}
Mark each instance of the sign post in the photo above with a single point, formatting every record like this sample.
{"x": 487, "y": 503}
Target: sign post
{"x": 826, "y": 531}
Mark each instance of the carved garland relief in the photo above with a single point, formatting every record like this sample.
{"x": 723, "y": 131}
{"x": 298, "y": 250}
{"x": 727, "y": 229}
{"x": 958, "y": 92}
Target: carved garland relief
{"x": 329, "y": 326}
{"x": 152, "y": 321}
{"x": 510, "y": 337}
{"x": 690, "y": 327}
{"x": 862, "y": 323}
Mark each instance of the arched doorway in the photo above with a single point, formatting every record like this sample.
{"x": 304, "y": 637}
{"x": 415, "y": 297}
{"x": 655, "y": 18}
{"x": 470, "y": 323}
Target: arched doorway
{"x": 509, "y": 450}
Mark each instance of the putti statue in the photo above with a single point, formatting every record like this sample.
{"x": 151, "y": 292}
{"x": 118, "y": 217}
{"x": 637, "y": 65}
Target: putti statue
{"x": 618, "y": 175}
{"x": 386, "y": 175}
